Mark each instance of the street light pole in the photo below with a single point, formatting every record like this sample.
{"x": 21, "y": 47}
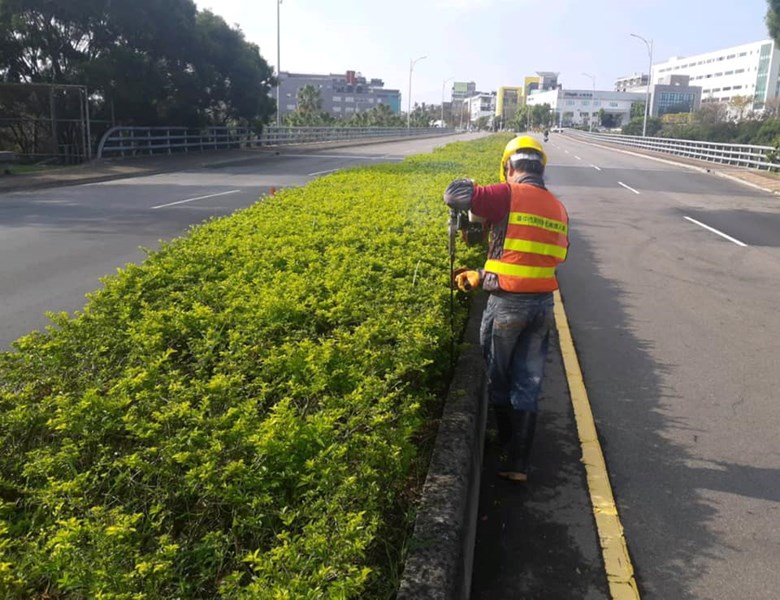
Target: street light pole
{"x": 444, "y": 83}
{"x": 278, "y": 63}
{"x": 409, "y": 102}
{"x": 649, "y": 45}
{"x": 593, "y": 80}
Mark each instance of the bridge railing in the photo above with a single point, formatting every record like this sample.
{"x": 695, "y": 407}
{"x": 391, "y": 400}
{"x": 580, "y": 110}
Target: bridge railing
{"x": 137, "y": 141}
{"x": 748, "y": 156}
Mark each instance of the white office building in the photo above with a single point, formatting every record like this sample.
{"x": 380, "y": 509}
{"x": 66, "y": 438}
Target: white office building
{"x": 479, "y": 105}
{"x": 632, "y": 83}
{"x": 748, "y": 70}
{"x": 579, "y": 107}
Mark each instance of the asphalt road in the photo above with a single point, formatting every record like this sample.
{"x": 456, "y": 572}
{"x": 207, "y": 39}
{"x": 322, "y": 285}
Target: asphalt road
{"x": 677, "y": 328}
{"x": 675, "y": 325}
{"x": 57, "y": 243}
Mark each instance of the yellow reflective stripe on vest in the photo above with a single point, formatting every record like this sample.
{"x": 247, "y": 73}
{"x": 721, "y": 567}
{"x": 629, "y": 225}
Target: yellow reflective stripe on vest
{"x": 502, "y": 268}
{"x": 516, "y": 218}
{"x": 535, "y": 248}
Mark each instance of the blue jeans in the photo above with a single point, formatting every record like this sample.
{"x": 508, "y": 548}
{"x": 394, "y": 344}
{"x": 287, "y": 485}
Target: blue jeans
{"x": 515, "y": 335}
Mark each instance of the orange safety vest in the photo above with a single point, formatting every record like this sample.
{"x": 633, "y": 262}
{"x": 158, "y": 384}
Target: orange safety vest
{"x": 536, "y": 242}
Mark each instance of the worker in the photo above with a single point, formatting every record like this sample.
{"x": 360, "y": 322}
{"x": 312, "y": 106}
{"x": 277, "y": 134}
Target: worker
{"x": 528, "y": 229}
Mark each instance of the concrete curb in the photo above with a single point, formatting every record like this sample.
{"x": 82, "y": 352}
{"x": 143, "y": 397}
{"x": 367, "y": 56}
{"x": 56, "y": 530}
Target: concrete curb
{"x": 439, "y": 563}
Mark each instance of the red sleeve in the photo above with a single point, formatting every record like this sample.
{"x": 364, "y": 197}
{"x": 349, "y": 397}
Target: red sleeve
{"x": 491, "y": 201}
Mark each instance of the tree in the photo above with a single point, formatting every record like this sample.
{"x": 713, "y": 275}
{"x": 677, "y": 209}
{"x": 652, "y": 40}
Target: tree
{"x": 146, "y": 62}
{"x": 739, "y": 104}
{"x": 608, "y": 120}
{"x": 308, "y": 111}
{"x": 522, "y": 120}
{"x": 711, "y": 113}
{"x": 637, "y": 110}
{"x": 773, "y": 19}
{"x": 541, "y": 115}
{"x": 635, "y": 126}
{"x": 383, "y": 116}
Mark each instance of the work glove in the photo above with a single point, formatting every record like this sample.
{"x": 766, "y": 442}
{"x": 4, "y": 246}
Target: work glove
{"x": 458, "y": 194}
{"x": 466, "y": 280}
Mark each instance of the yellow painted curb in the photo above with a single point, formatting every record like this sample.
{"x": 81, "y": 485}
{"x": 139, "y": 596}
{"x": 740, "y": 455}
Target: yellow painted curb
{"x": 620, "y": 572}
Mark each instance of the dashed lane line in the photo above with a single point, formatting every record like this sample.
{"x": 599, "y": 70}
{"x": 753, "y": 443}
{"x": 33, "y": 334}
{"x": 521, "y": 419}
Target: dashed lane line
{"x": 720, "y": 233}
{"x": 194, "y": 199}
{"x": 628, "y": 187}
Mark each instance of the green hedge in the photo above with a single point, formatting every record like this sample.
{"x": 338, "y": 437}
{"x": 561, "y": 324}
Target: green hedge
{"x": 240, "y": 415}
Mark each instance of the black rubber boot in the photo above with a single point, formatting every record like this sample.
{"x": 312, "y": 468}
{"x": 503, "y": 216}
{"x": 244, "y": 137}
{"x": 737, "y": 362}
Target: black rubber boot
{"x": 503, "y": 424}
{"x": 523, "y": 429}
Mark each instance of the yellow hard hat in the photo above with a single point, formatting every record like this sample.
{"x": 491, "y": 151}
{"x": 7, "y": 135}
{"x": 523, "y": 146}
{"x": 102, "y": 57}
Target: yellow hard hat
{"x": 521, "y": 142}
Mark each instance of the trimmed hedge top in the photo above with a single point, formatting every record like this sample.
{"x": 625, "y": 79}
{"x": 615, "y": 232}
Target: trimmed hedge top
{"x": 236, "y": 417}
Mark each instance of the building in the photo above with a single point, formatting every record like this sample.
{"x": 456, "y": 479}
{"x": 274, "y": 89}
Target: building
{"x": 579, "y": 107}
{"x": 749, "y": 70}
{"x": 480, "y": 105}
{"x": 633, "y": 83}
{"x": 541, "y": 82}
{"x": 342, "y": 95}
{"x": 674, "y": 94}
{"x": 462, "y": 90}
{"x": 508, "y": 100}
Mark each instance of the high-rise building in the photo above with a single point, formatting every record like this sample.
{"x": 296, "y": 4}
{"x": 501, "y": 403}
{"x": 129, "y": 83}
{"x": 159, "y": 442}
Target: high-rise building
{"x": 462, "y": 90}
{"x": 508, "y": 100}
{"x": 343, "y": 94}
{"x": 480, "y": 105}
{"x": 674, "y": 94}
{"x": 632, "y": 83}
{"x": 748, "y": 70}
{"x": 541, "y": 82}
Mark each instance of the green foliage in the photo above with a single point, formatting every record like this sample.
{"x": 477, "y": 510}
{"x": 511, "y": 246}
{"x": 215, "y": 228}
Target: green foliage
{"x": 536, "y": 116}
{"x": 637, "y": 110}
{"x": 308, "y": 111}
{"x": 237, "y": 417}
{"x": 773, "y": 19}
{"x": 145, "y": 62}
{"x": 636, "y": 125}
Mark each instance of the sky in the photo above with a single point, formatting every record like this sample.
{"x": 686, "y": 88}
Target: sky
{"x": 491, "y": 42}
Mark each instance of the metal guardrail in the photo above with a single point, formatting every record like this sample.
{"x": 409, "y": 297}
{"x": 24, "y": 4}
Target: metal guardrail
{"x": 742, "y": 155}
{"x": 135, "y": 141}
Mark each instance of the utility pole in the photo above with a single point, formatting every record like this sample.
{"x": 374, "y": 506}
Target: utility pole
{"x": 593, "y": 100}
{"x": 409, "y": 101}
{"x": 278, "y": 64}
{"x": 444, "y": 83}
{"x": 649, "y": 45}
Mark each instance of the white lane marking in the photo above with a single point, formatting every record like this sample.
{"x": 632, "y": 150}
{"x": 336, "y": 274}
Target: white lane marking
{"x": 322, "y": 172}
{"x": 628, "y": 187}
{"x": 567, "y": 152}
{"x": 595, "y": 167}
{"x": 198, "y": 198}
{"x": 720, "y": 233}
{"x": 577, "y": 157}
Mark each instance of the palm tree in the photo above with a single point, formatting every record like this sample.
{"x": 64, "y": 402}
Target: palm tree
{"x": 308, "y": 112}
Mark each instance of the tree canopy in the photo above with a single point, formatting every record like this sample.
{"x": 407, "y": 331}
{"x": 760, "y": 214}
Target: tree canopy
{"x": 145, "y": 62}
{"x": 773, "y": 19}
